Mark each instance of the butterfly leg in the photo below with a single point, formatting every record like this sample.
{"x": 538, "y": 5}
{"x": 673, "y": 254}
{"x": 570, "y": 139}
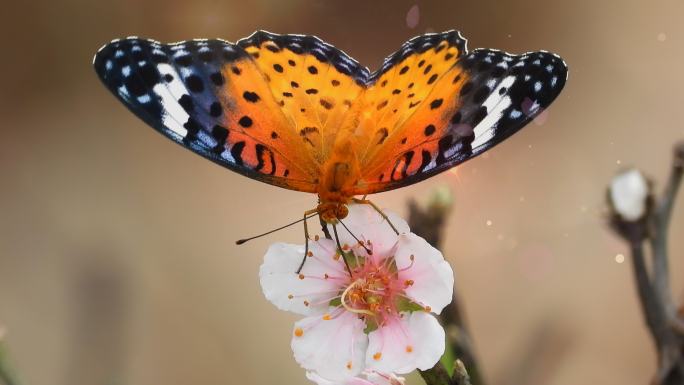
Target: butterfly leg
{"x": 306, "y": 238}
{"x": 376, "y": 208}
{"x": 340, "y": 250}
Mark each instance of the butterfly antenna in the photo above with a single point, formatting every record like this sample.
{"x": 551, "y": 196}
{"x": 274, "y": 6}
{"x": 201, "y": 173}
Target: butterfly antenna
{"x": 241, "y": 241}
{"x": 369, "y": 251}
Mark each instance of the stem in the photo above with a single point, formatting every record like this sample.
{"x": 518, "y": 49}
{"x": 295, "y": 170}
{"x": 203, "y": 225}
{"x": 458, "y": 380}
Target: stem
{"x": 437, "y": 375}
{"x": 660, "y": 312}
{"x": 661, "y": 223}
{"x": 429, "y": 224}
{"x": 460, "y": 376}
{"x": 7, "y": 376}
{"x": 650, "y": 302}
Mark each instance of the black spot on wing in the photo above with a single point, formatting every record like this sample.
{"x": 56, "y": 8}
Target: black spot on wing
{"x": 312, "y": 45}
{"x": 420, "y": 44}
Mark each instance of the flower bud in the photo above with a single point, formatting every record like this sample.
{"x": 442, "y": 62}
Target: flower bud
{"x": 628, "y": 194}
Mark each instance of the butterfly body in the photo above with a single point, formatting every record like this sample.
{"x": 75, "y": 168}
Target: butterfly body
{"x": 295, "y": 112}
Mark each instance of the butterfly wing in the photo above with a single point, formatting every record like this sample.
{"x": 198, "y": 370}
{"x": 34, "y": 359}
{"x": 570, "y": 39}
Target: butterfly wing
{"x": 211, "y": 97}
{"x": 471, "y": 102}
{"x": 315, "y": 83}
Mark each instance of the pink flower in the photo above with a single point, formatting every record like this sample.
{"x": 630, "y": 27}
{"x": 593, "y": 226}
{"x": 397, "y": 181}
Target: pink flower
{"x": 376, "y": 318}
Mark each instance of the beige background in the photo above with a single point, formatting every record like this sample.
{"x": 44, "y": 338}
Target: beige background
{"x": 117, "y": 255}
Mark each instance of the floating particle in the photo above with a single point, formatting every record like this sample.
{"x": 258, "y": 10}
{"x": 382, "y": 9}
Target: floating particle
{"x": 413, "y": 17}
{"x": 619, "y": 258}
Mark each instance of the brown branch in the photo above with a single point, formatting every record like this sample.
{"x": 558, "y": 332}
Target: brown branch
{"x": 437, "y": 375}
{"x": 429, "y": 223}
{"x": 660, "y": 312}
{"x": 461, "y": 376}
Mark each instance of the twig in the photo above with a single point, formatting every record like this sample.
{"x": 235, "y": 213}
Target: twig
{"x": 437, "y": 375}
{"x": 429, "y": 224}
{"x": 460, "y": 376}
{"x": 650, "y": 302}
{"x": 661, "y": 222}
{"x": 660, "y": 311}
{"x": 7, "y": 376}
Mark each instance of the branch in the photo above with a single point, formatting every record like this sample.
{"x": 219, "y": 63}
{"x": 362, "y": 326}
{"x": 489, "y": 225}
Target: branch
{"x": 660, "y": 312}
{"x": 650, "y": 302}
{"x": 461, "y": 376}
{"x": 437, "y": 375}
{"x": 7, "y": 376}
{"x": 429, "y": 223}
{"x": 661, "y": 223}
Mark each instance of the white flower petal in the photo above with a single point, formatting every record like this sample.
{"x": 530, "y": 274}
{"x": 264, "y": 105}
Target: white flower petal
{"x": 365, "y": 378}
{"x": 349, "y": 381}
{"x": 416, "y": 341}
{"x": 314, "y": 377}
{"x": 309, "y": 293}
{"x": 366, "y": 223}
{"x": 628, "y": 193}
{"x": 385, "y": 379}
{"x": 432, "y": 276}
{"x": 334, "y": 349}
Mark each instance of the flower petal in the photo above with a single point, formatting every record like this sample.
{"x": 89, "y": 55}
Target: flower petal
{"x": 416, "y": 341}
{"x": 431, "y": 277}
{"x": 307, "y": 293}
{"x": 334, "y": 349}
{"x": 367, "y": 224}
{"x": 365, "y": 378}
{"x": 384, "y": 379}
{"x": 349, "y": 381}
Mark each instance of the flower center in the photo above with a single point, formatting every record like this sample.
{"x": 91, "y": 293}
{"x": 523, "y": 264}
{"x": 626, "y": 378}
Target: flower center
{"x": 373, "y": 291}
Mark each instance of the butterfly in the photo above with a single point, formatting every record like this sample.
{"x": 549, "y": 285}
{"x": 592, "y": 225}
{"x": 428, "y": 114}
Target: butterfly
{"x": 294, "y": 111}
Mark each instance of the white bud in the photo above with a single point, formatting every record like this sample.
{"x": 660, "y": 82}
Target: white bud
{"x": 628, "y": 193}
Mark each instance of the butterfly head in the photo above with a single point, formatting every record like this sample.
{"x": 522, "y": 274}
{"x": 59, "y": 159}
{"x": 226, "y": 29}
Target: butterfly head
{"x": 330, "y": 212}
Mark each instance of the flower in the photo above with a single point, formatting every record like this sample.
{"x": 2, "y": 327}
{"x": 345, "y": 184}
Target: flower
{"x": 374, "y": 317}
{"x": 365, "y": 378}
{"x": 629, "y": 192}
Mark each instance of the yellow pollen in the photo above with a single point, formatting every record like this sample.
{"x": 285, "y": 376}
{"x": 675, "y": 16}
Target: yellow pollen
{"x": 301, "y": 276}
{"x": 299, "y": 332}
{"x": 428, "y": 309}
{"x": 306, "y": 303}
{"x": 316, "y": 238}
{"x": 345, "y": 247}
{"x": 310, "y": 253}
{"x": 336, "y": 256}
{"x": 409, "y": 349}
{"x": 349, "y": 365}
{"x": 409, "y": 282}
{"x": 290, "y": 296}
{"x": 326, "y": 317}
{"x": 377, "y": 356}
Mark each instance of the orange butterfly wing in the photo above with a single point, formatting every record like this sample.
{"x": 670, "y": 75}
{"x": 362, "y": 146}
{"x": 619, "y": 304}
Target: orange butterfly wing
{"x": 447, "y": 106}
{"x": 289, "y": 110}
{"x": 214, "y": 98}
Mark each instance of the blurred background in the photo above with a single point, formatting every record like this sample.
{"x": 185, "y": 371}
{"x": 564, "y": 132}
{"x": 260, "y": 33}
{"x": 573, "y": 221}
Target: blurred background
{"x": 117, "y": 255}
